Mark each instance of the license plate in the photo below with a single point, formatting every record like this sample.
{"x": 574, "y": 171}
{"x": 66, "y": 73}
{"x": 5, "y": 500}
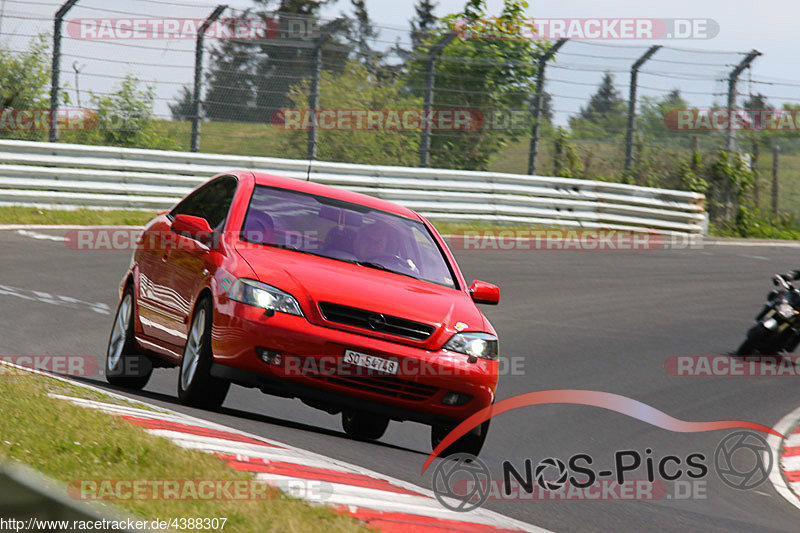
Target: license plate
{"x": 372, "y": 362}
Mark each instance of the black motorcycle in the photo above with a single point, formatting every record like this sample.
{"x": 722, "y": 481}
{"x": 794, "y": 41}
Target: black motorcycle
{"x": 777, "y": 327}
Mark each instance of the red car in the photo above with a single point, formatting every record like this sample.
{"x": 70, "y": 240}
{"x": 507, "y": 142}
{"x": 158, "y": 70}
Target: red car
{"x": 350, "y": 303}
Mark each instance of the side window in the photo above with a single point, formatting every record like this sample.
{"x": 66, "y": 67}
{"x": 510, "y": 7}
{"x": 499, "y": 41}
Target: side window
{"x": 212, "y": 202}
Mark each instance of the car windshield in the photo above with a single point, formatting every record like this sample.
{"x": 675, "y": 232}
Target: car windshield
{"x": 346, "y": 232}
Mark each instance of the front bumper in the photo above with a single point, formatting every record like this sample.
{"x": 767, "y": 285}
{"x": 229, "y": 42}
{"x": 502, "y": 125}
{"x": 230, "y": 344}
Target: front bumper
{"x": 311, "y": 367}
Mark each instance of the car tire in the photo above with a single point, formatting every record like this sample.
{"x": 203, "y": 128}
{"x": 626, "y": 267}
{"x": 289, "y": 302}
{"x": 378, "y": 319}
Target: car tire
{"x": 364, "y": 426}
{"x": 196, "y": 386}
{"x": 470, "y": 443}
{"x": 124, "y": 367}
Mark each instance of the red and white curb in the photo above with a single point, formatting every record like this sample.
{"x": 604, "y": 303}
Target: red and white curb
{"x": 384, "y": 503}
{"x": 785, "y": 474}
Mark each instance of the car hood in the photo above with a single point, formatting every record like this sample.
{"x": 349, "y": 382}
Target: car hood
{"x": 312, "y": 279}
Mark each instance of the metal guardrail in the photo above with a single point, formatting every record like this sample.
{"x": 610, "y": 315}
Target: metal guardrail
{"x": 69, "y": 175}
{"x": 29, "y": 501}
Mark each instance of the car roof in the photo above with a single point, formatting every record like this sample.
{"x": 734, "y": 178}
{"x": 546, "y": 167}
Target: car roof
{"x": 333, "y": 192}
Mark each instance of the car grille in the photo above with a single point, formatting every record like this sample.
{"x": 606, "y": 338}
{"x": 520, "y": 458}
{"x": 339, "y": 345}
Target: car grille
{"x": 366, "y": 380}
{"x": 370, "y": 320}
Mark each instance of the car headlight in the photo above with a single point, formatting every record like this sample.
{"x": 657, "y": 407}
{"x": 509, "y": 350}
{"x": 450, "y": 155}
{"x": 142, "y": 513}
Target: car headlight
{"x": 483, "y": 345}
{"x": 785, "y": 310}
{"x": 259, "y": 294}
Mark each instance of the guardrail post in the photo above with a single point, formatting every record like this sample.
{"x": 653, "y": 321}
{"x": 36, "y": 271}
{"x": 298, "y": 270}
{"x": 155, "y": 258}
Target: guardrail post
{"x": 313, "y": 98}
{"x": 632, "y": 105}
{"x": 430, "y": 77}
{"x": 198, "y": 75}
{"x": 55, "y": 70}
{"x": 730, "y": 137}
{"x": 539, "y": 102}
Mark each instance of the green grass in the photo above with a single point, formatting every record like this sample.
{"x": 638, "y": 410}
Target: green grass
{"x": 94, "y": 217}
{"x": 232, "y": 138}
{"x": 68, "y": 443}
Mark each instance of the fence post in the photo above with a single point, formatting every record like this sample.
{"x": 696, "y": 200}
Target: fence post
{"x": 430, "y": 76}
{"x": 55, "y": 70}
{"x": 632, "y": 105}
{"x": 732, "y": 80}
{"x": 539, "y": 102}
{"x": 754, "y": 168}
{"x": 198, "y": 75}
{"x": 557, "y": 145}
{"x": 776, "y": 150}
{"x": 313, "y": 99}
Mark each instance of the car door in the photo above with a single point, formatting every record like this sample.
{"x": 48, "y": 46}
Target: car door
{"x": 154, "y": 311}
{"x": 192, "y": 262}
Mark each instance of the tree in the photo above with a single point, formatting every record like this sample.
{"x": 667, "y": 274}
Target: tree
{"x": 250, "y": 79}
{"x": 355, "y": 89}
{"x": 181, "y": 109}
{"x": 423, "y": 22}
{"x": 364, "y": 31}
{"x": 489, "y": 77}
{"x": 653, "y": 112}
{"x": 758, "y": 102}
{"x": 605, "y": 102}
{"x": 25, "y": 83}
{"x": 604, "y": 116}
{"x": 125, "y": 118}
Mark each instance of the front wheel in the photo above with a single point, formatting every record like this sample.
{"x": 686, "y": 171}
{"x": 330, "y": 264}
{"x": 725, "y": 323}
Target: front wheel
{"x": 196, "y": 386}
{"x": 470, "y": 443}
{"x": 756, "y": 342}
{"x": 124, "y": 367}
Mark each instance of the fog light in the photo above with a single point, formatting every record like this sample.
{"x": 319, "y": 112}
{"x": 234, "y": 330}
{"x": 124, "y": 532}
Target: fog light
{"x": 456, "y": 398}
{"x": 269, "y": 357}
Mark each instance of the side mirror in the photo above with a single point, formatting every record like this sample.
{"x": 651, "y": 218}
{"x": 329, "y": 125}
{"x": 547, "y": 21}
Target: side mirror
{"x": 484, "y": 293}
{"x": 194, "y": 227}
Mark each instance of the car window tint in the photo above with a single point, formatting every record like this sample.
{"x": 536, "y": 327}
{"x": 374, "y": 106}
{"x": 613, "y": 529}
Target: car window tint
{"x": 212, "y": 202}
{"x": 344, "y": 231}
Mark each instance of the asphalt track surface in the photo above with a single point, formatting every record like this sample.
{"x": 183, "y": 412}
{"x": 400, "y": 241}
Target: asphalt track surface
{"x": 601, "y": 320}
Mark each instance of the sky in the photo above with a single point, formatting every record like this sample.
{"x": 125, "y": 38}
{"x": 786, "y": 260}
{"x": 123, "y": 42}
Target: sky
{"x": 697, "y": 68}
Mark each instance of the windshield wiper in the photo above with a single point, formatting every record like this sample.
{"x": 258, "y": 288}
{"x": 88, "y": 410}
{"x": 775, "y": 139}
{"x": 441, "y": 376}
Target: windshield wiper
{"x": 371, "y": 264}
{"x": 379, "y": 266}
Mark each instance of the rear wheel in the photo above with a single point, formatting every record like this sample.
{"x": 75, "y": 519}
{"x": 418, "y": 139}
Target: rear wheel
{"x": 364, "y": 426}
{"x": 124, "y": 367}
{"x": 196, "y": 386}
{"x": 470, "y": 443}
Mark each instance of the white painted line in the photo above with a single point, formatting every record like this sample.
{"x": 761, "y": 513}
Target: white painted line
{"x": 793, "y": 440}
{"x": 783, "y": 426}
{"x": 40, "y": 236}
{"x": 245, "y": 450}
{"x": 47, "y": 298}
